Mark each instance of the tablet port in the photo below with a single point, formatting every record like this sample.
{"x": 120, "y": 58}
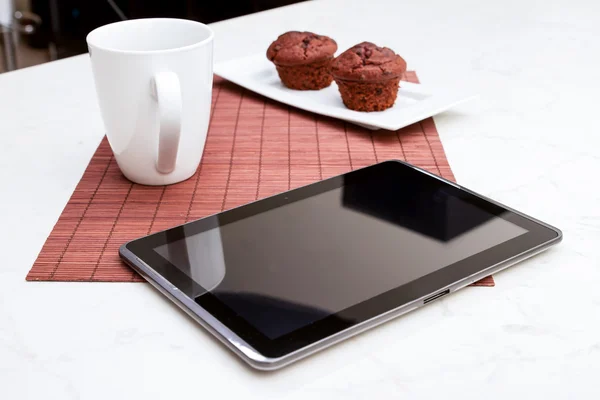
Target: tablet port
{"x": 436, "y": 296}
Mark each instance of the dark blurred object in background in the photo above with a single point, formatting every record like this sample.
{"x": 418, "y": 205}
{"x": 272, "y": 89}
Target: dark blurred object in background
{"x": 65, "y": 23}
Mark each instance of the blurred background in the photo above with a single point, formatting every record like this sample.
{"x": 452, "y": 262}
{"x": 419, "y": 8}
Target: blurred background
{"x": 36, "y": 31}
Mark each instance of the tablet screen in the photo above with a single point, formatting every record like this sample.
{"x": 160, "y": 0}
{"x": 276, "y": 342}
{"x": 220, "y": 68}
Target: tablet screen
{"x": 291, "y": 266}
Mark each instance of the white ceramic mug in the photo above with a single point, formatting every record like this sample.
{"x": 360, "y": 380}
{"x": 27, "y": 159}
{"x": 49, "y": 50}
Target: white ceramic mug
{"x": 154, "y": 84}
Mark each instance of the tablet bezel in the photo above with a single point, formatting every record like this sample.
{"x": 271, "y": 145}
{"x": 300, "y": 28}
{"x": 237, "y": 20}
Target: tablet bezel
{"x": 538, "y": 234}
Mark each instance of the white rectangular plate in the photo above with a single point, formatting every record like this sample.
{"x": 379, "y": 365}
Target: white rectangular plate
{"x": 414, "y": 103}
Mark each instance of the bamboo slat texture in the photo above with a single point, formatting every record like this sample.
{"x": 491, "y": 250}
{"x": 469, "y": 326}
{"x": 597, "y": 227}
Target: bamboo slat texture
{"x": 255, "y": 148}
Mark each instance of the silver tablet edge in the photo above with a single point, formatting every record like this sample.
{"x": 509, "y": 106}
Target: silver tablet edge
{"x": 257, "y": 360}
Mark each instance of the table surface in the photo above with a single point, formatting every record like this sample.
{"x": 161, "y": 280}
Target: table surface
{"x": 531, "y": 140}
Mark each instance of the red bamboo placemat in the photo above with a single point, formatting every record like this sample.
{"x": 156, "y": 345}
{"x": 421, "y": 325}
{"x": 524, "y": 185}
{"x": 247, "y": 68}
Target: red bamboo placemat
{"x": 255, "y": 148}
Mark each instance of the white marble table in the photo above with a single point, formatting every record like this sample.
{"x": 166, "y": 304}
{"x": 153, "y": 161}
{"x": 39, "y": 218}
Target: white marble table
{"x": 532, "y": 140}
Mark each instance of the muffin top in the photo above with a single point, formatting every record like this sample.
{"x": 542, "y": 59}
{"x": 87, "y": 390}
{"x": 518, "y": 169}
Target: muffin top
{"x": 368, "y": 62}
{"x": 295, "y": 48}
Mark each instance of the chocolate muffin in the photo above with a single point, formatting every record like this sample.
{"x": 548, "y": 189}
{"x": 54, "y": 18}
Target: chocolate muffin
{"x": 302, "y": 59}
{"x": 368, "y": 76}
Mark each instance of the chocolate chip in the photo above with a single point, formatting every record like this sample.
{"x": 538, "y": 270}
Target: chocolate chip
{"x": 386, "y": 72}
{"x": 277, "y": 47}
{"x": 359, "y": 52}
{"x": 378, "y": 91}
{"x": 368, "y": 53}
{"x": 306, "y": 40}
{"x": 362, "y": 77}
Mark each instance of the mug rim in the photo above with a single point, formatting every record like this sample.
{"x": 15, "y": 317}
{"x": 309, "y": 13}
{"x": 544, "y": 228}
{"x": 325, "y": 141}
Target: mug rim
{"x": 92, "y": 43}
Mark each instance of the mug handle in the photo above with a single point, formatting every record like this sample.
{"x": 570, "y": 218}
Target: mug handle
{"x": 165, "y": 89}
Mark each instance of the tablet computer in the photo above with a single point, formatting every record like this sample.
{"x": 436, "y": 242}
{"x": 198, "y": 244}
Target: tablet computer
{"x": 281, "y": 278}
